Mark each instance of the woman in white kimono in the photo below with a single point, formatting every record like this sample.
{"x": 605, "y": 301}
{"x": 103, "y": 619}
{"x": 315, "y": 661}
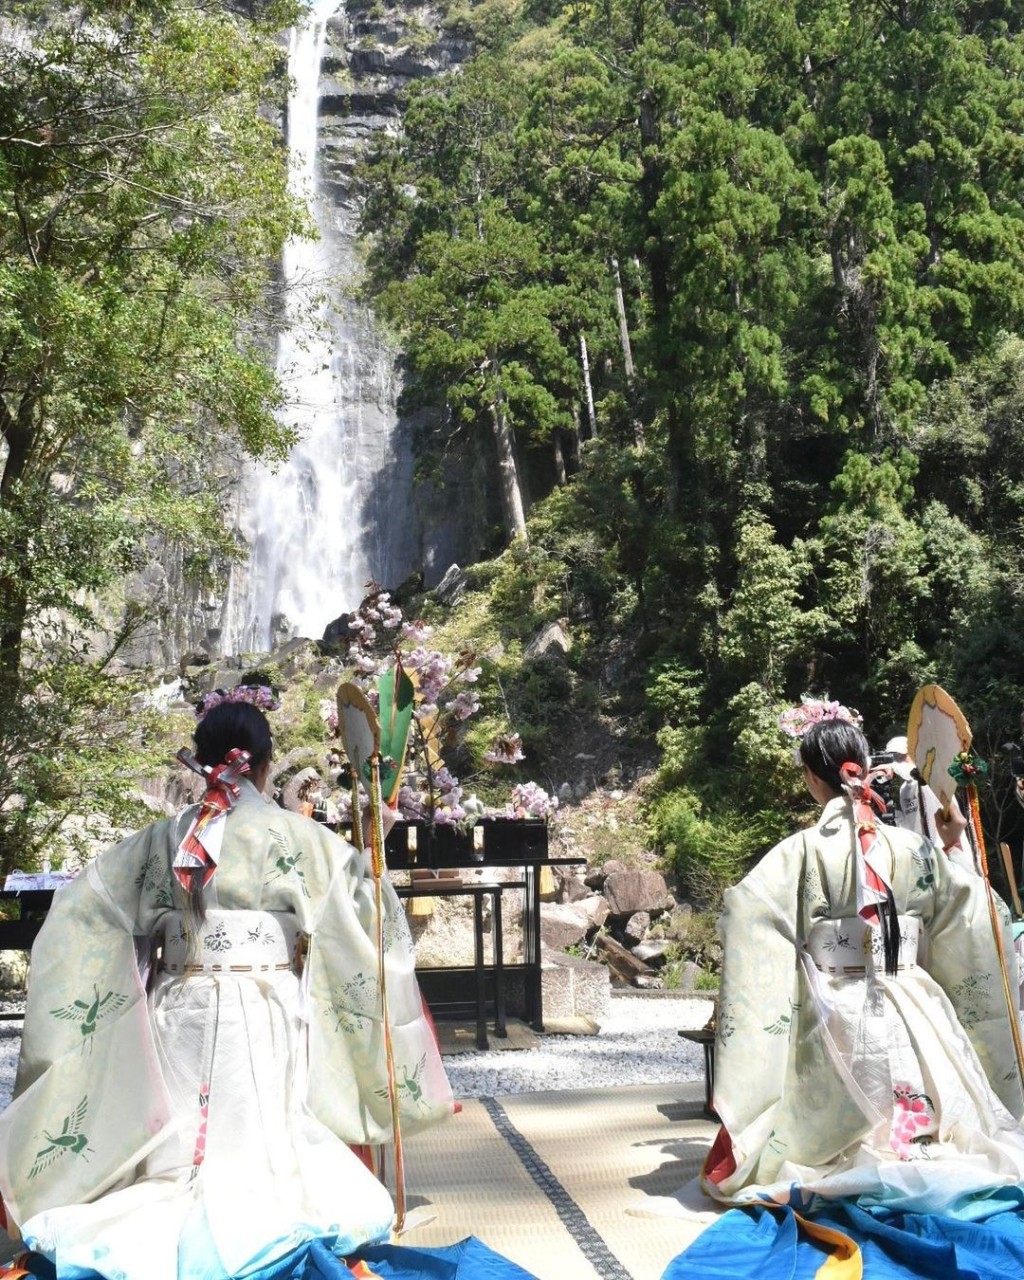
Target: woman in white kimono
{"x": 203, "y": 1041}
{"x": 864, "y": 1045}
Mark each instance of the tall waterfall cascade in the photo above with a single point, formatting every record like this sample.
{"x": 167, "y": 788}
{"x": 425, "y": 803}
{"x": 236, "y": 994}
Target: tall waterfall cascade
{"x": 339, "y": 511}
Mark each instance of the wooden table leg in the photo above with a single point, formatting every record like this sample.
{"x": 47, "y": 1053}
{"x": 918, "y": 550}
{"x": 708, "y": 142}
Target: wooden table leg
{"x": 481, "y": 976}
{"x": 499, "y": 966}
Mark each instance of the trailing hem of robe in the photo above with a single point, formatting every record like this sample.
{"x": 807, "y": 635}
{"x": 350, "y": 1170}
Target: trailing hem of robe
{"x": 469, "y": 1259}
{"x": 846, "y": 1241}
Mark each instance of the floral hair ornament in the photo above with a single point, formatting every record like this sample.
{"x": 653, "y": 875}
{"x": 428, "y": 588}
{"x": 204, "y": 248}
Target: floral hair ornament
{"x": 795, "y": 722}
{"x": 261, "y": 696}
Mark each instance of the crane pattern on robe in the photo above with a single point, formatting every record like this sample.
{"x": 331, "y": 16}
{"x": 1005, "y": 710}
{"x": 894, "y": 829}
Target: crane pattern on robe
{"x": 90, "y": 1013}
{"x": 71, "y": 1138}
{"x": 408, "y": 1085}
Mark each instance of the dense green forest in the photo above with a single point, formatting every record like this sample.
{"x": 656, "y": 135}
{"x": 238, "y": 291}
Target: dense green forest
{"x": 754, "y": 274}
{"x": 730, "y": 293}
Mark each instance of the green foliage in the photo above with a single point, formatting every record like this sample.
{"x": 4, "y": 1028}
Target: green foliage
{"x": 702, "y": 944}
{"x": 527, "y": 592}
{"x": 707, "y": 853}
{"x": 304, "y": 726}
{"x": 751, "y": 269}
{"x": 806, "y": 472}
{"x": 77, "y": 747}
{"x": 764, "y": 627}
{"x": 142, "y": 204}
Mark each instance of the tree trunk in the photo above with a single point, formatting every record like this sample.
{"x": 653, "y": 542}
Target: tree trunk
{"x": 16, "y": 560}
{"x": 560, "y": 474}
{"x": 587, "y": 386}
{"x": 627, "y": 350}
{"x": 620, "y": 307}
{"x": 508, "y": 472}
{"x": 657, "y": 257}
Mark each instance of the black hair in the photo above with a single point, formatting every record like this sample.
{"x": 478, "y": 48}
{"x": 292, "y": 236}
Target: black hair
{"x": 229, "y": 725}
{"x": 824, "y": 748}
{"x": 831, "y": 743}
{"x": 225, "y": 726}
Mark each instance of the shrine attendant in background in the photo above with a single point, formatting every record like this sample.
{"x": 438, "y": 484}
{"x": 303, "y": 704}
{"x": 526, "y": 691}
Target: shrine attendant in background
{"x": 917, "y": 809}
{"x": 203, "y": 1041}
{"x": 862, "y": 976}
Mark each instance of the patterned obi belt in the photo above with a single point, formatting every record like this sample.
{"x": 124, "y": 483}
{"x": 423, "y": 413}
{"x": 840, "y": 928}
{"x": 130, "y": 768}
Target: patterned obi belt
{"x": 852, "y": 946}
{"x": 232, "y": 942}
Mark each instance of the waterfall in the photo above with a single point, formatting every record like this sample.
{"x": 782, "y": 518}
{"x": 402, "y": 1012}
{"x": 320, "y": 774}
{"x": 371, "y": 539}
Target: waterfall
{"x": 338, "y": 512}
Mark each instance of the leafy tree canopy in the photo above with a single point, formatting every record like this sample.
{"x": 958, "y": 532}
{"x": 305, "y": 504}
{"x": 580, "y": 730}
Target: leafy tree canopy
{"x": 143, "y": 204}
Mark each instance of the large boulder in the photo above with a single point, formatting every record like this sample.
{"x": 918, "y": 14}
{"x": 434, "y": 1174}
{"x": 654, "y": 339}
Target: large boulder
{"x": 573, "y": 987}
{"x": 338, "y": 636}
{"x": 630, "y": 891}
{"x": 652, "y": 953}
{"x": 292, "y": 763}
{"x": 296, "y": 657}
{"x": 452, "y": 586}
{"x": 596, "y": 909}
{"x": 13, "y": 971}
{"x": 636, "y": 926}
{"x": 570, "y": 886}
{"x": 563, "y": 925}
{"x": 291, "y": 791}
{"x": 596, "y": 876}
{"x": 551, "y": 638}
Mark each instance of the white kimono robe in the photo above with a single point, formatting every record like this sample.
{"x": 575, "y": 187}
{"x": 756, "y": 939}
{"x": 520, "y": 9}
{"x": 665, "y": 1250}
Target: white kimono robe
{"x": 834, "y": 1078}
{"x": 183, "y": 1106}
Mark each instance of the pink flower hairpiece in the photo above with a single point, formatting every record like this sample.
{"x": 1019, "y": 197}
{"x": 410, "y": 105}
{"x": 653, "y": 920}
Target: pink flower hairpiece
{"x": 258, "y": 695}
{"x": 795, "y": 722}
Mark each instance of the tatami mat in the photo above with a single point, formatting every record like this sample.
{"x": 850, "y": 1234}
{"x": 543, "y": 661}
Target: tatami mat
{"x": 547, "y": 1178}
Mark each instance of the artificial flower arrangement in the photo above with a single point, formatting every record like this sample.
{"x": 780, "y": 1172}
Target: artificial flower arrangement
{"x": 258, "y": 695}
{"x": 795, "y": 722}
{"x": 443, "y": 699}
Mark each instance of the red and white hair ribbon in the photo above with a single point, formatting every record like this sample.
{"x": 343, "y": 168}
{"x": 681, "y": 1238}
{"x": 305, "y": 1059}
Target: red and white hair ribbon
{"x": 200, "y": 849}
{"x": 873, "y": 887}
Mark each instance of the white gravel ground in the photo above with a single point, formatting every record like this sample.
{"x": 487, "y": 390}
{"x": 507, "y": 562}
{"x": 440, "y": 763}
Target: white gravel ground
{"x": 639, "y": 1043}
{"x": 10, "y": 1043}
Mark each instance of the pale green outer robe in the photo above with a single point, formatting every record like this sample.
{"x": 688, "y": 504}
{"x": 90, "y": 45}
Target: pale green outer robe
{"x": 93, "y": 1081}
{"x": 794, "y": 1045}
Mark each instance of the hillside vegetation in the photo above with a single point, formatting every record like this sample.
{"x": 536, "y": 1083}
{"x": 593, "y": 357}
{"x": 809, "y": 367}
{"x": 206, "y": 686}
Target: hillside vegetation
{"x": 729, "y": 296}
{"x": 748, "y": 279}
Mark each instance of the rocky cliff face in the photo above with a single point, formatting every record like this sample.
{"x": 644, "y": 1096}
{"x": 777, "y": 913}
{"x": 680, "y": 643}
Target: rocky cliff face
{"x": 372, "y": 54}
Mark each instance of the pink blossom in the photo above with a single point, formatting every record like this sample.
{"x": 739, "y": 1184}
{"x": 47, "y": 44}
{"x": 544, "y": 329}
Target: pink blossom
{"x": 416, "y": 631}
{"x": 261, "y": 696}
{"x": 464, "y": 705}
{"x": 531, "y": 801}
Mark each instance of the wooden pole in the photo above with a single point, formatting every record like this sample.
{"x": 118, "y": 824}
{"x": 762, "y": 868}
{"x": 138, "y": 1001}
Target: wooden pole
{"x": 1011, "y": 880}
{"x": 1012, "y": 1003}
